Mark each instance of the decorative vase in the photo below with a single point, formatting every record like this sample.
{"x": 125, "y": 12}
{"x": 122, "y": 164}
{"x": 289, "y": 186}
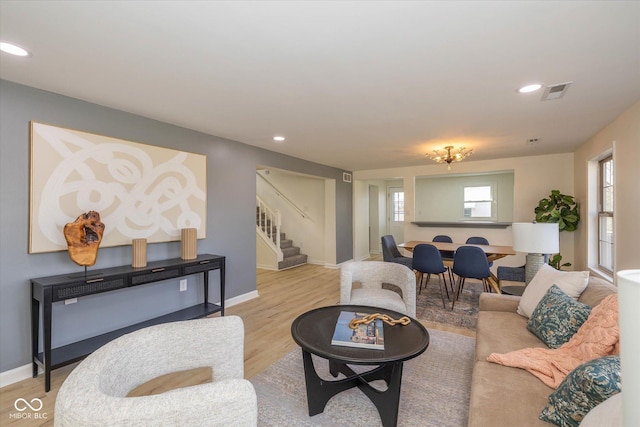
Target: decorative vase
{"x": 189, "y": 240}
{"x": 139, "y": 253}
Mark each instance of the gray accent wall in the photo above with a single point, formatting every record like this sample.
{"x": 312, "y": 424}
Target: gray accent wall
{"x": 231, "y": 189}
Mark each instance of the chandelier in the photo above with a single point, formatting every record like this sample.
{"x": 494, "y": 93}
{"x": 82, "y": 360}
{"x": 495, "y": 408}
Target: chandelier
{"x": 449, "y": 157}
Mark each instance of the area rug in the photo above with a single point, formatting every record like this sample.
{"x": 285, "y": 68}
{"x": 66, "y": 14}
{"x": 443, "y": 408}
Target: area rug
{"x": 465, "y": 311}
{"x": 435, "y": 390}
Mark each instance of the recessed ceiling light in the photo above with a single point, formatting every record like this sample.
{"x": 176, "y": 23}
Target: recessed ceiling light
{"x": 13, "y": 49}
{"x": 529, "y": 88}
{"x": 278, "y": 138}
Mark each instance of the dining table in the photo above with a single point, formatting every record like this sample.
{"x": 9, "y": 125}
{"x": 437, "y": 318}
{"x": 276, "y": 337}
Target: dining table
{"x": 494, "y": 252}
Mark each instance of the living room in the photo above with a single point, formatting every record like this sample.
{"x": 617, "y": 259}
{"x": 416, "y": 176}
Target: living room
{"x": 234, "y": 157}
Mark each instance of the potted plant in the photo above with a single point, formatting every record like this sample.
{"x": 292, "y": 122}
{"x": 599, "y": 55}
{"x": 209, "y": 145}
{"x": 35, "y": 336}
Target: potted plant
{"x": 559, "y": 208}
{"x": 562, "y": 209}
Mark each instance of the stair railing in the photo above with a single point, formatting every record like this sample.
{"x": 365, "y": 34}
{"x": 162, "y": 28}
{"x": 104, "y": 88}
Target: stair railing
{"x": 279, "y": 193}
{"x": 268, "y": 223}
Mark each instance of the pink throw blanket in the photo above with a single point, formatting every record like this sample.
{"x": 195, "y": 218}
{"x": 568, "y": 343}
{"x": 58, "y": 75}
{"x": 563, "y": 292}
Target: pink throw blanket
{"x": 597, "y": 337}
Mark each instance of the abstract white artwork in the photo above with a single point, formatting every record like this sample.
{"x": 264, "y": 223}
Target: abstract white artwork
{"x": 140, "y": 191}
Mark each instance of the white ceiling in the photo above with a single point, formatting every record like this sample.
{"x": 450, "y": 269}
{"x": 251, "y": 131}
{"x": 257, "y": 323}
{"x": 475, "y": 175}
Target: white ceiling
{"x": 351, "y": 84}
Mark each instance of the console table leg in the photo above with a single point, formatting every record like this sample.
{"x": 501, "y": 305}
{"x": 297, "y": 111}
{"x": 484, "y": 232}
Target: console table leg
{"x": 35, "y": 332}
{"x": 46, "y": 326}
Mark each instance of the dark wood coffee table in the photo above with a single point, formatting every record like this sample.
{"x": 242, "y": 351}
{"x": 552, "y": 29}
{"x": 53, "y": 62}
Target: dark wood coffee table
{"x": 313, "y": 332}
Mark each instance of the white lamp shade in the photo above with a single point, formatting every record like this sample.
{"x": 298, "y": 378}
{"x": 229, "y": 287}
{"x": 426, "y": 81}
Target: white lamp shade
{"x": 628, "y": 302}
{"x": 536, "y": 237}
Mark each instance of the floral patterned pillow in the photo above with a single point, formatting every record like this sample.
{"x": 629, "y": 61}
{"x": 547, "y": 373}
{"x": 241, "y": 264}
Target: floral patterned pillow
{"x": 583, "y": 389}
{"x": 557, "y": 317}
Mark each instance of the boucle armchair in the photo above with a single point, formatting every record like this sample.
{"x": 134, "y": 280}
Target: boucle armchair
{"x": 94, "y": 394}
{"x": 371, "y": 275}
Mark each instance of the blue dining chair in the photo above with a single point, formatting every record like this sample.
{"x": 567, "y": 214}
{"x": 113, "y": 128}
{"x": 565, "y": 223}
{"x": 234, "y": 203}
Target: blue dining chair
{"x": 470, "y": 262}
{"x": 390, "y": 252}
{"x": 427, "y": 259}
{"x": 478, "y": 241}
{"x": 445, "y": 239}
{"x": 446, "y": 255}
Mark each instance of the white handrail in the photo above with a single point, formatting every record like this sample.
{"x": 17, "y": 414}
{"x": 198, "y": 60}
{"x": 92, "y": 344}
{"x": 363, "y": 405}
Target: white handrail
{"x": 268, "y": 223}
{"x": 285, "y": 198}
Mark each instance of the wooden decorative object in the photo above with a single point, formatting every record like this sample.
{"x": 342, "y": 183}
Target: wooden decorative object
{"x": 404, "y": 321}
{"x": 189, "y": 239}
{"x": 139, "y": 253}
{"x": 83, "y": 238}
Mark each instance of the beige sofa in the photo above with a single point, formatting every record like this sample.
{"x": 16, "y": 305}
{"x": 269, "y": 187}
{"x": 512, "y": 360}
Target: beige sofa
{"x": 506, "y": 396}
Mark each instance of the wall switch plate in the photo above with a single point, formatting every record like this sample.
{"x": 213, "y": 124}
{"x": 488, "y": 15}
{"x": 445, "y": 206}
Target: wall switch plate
{"x": 70, "y": 301}
{"x": 183, "y": 285}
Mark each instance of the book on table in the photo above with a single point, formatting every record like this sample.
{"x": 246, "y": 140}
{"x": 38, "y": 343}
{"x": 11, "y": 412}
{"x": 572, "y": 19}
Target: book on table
{"x": 369, "y": 336}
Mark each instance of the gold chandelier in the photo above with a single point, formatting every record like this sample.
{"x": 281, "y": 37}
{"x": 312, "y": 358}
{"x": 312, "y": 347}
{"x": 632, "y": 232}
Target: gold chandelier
{"x": 449, "y": 157}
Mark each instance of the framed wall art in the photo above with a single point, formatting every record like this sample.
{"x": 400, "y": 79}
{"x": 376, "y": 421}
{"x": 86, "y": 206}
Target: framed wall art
{"x": 141, "y": 191}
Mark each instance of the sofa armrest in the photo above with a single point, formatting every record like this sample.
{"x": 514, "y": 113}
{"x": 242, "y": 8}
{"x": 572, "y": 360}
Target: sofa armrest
{"x": 498, "y": 302}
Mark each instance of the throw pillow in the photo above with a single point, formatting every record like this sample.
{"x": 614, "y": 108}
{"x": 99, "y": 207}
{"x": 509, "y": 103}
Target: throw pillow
{"x": 572, "y": 283}
{"x": 583, "y": 389}
{"x": 557, "y": 317}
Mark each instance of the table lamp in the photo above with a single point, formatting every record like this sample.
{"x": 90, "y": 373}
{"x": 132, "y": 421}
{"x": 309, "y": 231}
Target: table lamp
{"x": 628, "y": 300}
{"x": 538, "y": 239}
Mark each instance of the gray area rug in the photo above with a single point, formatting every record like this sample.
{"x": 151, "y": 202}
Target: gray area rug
{"x": 435, "y": 390}
{"x": 465, "y": 312}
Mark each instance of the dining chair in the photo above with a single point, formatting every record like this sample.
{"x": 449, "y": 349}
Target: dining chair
{"x": 371, "y": 275}
{"x": 478, "y": 241}
{"x": 446, "y": 239}
{"x": 427, "y": 259}
{"x": 470, "y": 262}
{"x": 390, "y": 252}
{"x": 447, "y": 256}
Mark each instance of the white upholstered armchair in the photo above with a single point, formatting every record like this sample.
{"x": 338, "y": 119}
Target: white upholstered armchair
{"x": 371, "y": 275}
{"x": 94, "y": 394}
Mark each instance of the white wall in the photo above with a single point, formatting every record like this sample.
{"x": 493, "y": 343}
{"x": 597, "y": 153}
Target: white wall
{"x": 534, "y": 178}
{"x": 308, "y": 193}
{"x": 623, "y": 137}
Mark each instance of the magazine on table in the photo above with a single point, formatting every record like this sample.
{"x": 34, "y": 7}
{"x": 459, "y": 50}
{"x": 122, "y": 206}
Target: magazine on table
{"x": 369, "y": 336}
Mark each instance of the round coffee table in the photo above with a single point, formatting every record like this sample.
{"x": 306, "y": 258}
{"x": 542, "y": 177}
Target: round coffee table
{"x": 313, "y": 332}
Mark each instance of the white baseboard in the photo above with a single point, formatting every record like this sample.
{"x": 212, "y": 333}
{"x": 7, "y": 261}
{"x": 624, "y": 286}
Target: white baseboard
{"x": 18, "y": 374}
{"x": 24, "y": 372}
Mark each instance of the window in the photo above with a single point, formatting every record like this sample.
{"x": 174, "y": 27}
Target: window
{"x": 398, "y": 205}
{"x": 605, "y": 215}
{"x": 478, "y": 202}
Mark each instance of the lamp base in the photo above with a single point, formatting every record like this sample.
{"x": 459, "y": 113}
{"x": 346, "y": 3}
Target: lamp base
{"x": 534, "y": 262}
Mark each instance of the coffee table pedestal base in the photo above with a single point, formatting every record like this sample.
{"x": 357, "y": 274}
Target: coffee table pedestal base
{"x": 319, "y": 391}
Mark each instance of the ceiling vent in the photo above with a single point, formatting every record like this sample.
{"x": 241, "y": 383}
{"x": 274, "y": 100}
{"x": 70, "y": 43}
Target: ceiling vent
{"x": 556, "y": 91}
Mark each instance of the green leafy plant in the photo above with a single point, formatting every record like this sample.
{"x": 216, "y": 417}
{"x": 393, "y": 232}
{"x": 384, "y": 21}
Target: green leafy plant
{"x": 555, "y": 260}
{"x": 559, "y": 208}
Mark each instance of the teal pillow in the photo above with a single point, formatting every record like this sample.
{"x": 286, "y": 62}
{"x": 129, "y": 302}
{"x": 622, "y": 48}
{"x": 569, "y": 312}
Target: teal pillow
{"x": 557, "y": 317}
{"x": 583, "y": 389}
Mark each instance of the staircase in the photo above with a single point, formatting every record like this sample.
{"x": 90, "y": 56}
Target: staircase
{"x": 268, "y": 226}
{"x": 291, "y": 254}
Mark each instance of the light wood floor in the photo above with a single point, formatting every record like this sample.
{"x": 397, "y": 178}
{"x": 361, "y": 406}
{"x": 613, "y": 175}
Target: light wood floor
{"x": 283, "y": 296}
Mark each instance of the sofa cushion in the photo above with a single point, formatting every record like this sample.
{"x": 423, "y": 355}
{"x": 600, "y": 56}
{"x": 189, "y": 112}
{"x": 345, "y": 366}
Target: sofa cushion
{"x": 571, "y": 282}
{"x": 502, "y": 332}
{"x": 583, "y": 389}
{"x": 502, "y": 396}
{"x": 596, "y": 291}
{"x": 557, "y": 317}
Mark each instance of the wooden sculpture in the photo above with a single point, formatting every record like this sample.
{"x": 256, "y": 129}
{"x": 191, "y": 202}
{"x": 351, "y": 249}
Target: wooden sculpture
{"x": 83, "y": 238}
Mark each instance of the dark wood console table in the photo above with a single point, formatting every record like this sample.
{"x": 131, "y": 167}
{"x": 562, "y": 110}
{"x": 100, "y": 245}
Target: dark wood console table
{"x": 47, "y": 290}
